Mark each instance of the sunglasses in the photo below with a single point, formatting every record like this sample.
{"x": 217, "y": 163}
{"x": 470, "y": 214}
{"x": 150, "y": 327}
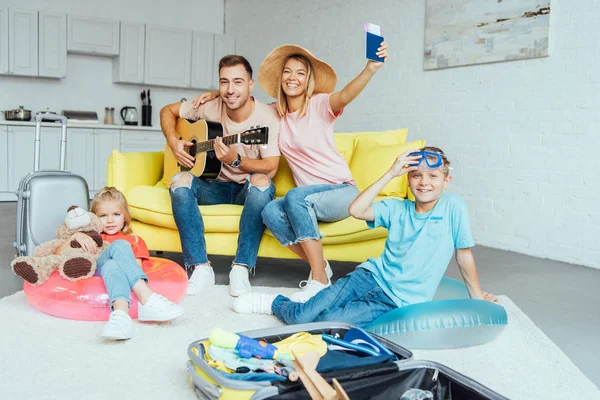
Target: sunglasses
{"x": 433, "y": 160}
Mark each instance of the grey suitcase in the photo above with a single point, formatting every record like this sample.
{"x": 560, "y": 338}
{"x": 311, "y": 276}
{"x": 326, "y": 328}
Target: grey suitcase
{"x": 44, "y": 196}
{"x": 388, "y": 381}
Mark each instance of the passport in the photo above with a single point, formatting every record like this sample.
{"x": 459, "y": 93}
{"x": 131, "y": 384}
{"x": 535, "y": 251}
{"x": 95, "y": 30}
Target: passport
{"x": 373, "y": 43}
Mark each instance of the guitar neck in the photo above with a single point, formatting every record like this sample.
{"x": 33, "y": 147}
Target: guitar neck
{"x": 209, "y": 145}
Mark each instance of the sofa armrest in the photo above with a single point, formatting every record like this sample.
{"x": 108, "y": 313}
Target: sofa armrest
{"x": 127, "y": 170}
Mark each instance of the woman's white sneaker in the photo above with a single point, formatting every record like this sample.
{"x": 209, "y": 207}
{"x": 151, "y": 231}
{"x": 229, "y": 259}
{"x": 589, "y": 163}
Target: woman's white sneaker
{"x": 118, "y": 327}
{"x": 328, "y": 272}
{"x": 309, "y": 289}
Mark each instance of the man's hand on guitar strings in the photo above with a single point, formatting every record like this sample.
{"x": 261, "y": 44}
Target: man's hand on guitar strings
{"x": 224, "y": 154}
{"x": 181, "y": 155}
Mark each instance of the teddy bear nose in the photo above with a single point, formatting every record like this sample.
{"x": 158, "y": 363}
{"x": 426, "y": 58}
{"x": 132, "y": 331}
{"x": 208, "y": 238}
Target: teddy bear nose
{"x": 75, "y": 212}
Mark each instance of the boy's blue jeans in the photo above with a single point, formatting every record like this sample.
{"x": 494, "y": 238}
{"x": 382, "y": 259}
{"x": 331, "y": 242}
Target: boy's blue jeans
{"x": 356, "y": 299}
{"x": 120, "y": 271}
{"x": 185, "y": 201}
{"x": 294, "y": 217}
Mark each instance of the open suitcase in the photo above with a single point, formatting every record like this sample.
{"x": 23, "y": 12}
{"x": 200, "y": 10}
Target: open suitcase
{"x": 44, "y": 196}
{"x": 389, "y": 380}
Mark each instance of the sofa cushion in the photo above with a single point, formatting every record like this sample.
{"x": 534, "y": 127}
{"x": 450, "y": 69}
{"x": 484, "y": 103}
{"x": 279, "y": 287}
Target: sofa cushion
{"x": 346, "y": 142}
{"x": 367, "y": 168}
{"x": 152, "y": 205}
{"x": 283, "y": 180}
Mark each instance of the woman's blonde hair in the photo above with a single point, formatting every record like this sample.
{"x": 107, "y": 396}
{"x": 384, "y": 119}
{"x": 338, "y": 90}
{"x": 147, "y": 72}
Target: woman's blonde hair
{"x": 113, "y": 195}
{"x": 282, "y": 106}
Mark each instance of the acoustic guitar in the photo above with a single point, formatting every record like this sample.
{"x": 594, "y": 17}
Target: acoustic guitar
{"x": 203, "y": 133}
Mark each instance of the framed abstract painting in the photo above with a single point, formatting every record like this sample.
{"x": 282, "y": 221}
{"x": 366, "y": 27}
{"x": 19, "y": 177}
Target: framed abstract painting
{"x": 466, "y": 32}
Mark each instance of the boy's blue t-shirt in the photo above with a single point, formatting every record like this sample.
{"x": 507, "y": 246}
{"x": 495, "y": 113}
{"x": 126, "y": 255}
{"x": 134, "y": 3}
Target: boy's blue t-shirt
{"x": 418, "y": 247}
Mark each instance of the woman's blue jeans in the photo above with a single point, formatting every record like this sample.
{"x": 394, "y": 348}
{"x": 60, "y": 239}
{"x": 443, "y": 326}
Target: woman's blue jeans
{"x": 295, "y": 217}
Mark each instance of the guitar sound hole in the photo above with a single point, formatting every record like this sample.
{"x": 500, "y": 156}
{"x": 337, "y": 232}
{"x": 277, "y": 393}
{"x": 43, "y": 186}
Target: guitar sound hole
{"x": 193, "y": 149}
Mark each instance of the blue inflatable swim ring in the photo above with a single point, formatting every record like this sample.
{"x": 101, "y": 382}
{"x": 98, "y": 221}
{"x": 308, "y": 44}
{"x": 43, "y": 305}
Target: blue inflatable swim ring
{"x": 449, "y": 321}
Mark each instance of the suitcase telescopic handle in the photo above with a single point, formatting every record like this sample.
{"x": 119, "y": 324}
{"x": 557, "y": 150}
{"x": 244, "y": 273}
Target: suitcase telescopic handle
{"x": 63, "y": 139}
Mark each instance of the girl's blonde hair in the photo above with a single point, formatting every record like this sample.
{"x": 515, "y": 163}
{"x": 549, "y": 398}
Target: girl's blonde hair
{"x": 282, "y": 106}
{"x": 113, "y": 195}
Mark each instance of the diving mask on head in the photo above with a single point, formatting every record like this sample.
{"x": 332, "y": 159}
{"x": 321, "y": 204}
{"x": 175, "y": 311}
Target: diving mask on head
{"x": 429, "y": 159}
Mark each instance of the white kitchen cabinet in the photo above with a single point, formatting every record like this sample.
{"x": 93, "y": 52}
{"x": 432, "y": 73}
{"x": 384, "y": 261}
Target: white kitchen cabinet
{"x": 203, "y": 62}
{"x": 224, "y": 45}
{"x": 20, "y": 151}
{"x": 90, "y": 35}
{"x": 168, "y": 56}
{"x": 52, "y": 45}
{"x": 88, "y": 150}
{"x": 137, "y": 141}
{"x": 22, "y": 42}
{"x": 105, "y": 140}
{"x": 3, "y": 159}
{"x": 80, "y": 153}
{"x": 3, "y": 40}
{"x": 129, "y": 66}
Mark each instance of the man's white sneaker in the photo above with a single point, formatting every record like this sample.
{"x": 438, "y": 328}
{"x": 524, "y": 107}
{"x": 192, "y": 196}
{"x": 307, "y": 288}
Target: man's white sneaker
{"x": 254, "y": 303}
{"x": 118, "y": 327}
{"x": 202, "y": 276}
{"x": 309, "y": 289}
{"x": 328, "y": 271}
{"x": 238, "y": 281}
{"x": 158, "y": 308}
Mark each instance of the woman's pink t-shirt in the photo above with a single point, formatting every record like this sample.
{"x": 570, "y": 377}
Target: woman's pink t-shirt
{"x": 308, "y": 146}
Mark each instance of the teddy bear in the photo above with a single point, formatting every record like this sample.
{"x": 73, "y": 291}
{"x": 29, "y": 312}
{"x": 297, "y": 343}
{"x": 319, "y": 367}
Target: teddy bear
{"x": 73, "y": 263}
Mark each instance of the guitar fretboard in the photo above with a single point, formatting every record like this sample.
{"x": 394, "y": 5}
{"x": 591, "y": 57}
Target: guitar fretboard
{"x": 209, "y": 145}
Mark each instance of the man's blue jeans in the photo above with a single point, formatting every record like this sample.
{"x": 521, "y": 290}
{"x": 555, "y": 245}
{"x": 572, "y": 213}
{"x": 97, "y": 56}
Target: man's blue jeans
{"x": 185, "y": 201}
{"x": 355, "y": 299}
{"x": 295, "y": 217}
{"x": 120, "y": 271}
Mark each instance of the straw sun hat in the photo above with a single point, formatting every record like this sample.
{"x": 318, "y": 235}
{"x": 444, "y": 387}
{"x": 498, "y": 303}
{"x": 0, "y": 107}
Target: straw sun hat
{"x": 269, "y": 73}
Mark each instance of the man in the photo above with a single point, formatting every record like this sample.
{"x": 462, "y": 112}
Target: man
{"x": 245, "y": 177}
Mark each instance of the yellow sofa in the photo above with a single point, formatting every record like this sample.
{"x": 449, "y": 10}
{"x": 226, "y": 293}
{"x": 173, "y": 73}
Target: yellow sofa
{"x": 369, "y": 154}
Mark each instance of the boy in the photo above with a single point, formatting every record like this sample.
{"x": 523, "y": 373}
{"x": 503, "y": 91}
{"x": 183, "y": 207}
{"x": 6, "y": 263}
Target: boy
{"x": 422, "y": 237}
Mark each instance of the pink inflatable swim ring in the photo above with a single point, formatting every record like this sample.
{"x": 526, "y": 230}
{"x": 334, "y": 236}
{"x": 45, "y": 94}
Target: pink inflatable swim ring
{"x": 87, "y": 299}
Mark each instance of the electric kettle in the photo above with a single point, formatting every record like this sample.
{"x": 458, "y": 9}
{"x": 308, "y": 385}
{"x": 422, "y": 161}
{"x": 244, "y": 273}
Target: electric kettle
{"x": 129, "y": 115}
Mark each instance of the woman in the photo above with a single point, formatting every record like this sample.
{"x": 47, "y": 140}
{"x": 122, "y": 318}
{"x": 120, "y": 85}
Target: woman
{"x": 302, "y": 86}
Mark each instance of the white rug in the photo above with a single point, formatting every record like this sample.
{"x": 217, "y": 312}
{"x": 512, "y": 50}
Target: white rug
{"x": 44, "y": 357}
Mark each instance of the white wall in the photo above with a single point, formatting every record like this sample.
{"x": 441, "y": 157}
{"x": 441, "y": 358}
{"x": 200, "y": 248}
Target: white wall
{"x": 88, "y": 83}
{"x": 523, "y": 135}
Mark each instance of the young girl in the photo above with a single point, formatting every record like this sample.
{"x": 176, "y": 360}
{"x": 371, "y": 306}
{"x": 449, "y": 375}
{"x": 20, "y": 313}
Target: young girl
{"x": 302, "y": 86}
{"x": 120, "y": 267}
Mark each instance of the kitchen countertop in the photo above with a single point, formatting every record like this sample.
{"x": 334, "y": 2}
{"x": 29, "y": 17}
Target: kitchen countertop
{"x": 94, "y": 125}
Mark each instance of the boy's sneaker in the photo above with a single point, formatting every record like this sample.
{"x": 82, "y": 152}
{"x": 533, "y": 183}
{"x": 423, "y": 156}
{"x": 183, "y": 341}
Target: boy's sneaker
{"x": 202, "y": 276}
{"x": 254, "y": 303}
{"x": 238, "y": 281}
{"x": 328, "y": 272}
{"x": 118, "y": 327}
{"x": 158, "y": 308}
{"x": 309, "y": 289}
